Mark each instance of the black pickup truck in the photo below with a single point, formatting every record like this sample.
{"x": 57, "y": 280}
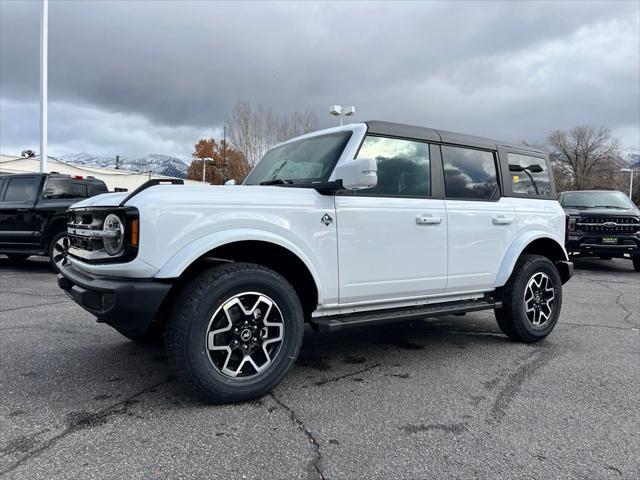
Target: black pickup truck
{"x": 33, "y": 207}
{"x": 602, "y": 223}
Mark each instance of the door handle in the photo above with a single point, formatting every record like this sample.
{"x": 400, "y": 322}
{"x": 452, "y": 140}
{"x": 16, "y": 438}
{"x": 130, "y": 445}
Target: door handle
{"x": 428, "y": 220}
{"x": 502, "y": 220}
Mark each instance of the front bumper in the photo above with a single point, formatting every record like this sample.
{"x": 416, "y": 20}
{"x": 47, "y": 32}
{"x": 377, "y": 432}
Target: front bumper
{"x": 589, "y": 244}
{"x": 129, "y": 305}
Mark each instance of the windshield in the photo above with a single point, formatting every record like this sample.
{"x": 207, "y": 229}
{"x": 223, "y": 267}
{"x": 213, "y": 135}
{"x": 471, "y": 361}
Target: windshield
{"x": 615, "y": 200}
{"x": 307, "y": 160}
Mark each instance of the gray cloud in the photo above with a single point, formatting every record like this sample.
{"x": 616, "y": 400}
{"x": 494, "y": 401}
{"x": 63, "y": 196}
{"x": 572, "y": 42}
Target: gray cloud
{"x": 136, "y": 75}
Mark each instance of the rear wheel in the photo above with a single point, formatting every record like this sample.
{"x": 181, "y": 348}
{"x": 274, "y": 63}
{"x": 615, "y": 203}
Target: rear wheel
{"x": 531, "y": 300}
{"x": 636, "y": 263}
{"x": 58, "y": 247}
{"x": 234, "y": 332}
{"x": 16, "y": 257}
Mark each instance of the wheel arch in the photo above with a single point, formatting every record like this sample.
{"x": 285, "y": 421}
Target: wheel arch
{"x": 538, "y": 243}
{"x": 272, "y": 252}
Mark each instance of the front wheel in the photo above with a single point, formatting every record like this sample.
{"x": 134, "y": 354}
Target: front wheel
{"x": 58, "y": 247}
{"x": 531, "y": 300}
{"x": 234, "y": 332}
{"x": 636, "y": 263}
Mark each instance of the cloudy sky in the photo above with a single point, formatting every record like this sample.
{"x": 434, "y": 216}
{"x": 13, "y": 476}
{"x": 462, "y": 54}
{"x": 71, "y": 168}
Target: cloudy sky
{"x": 133, "y": 78}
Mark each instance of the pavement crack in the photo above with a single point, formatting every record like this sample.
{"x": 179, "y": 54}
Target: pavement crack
{"x": 314, "y": 470}
{"x": 346, "y": 375}
{"x": 511, "y": 389}
{"x": 619, "y": 297}
{"x": 76, "y": 423}
{"x": 33, "y": 306}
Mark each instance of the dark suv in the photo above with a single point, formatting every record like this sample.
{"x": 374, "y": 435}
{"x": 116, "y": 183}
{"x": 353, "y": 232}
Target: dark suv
{"x": 33, "y": 211}
{"x": 602, "y": 223}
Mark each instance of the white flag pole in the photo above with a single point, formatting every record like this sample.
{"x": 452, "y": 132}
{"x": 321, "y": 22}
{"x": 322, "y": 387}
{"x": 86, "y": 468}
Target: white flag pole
{"x": 44, "y": 34}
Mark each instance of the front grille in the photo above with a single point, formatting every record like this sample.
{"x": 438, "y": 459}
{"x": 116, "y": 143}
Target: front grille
{"x": 609, "y": 225}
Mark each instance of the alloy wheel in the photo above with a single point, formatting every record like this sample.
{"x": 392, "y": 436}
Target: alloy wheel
{"x": 245, "y": 335}
{"x": 539, "y": 296}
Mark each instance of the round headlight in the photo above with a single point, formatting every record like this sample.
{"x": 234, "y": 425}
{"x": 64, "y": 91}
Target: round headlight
{"x": 114, "y": 241}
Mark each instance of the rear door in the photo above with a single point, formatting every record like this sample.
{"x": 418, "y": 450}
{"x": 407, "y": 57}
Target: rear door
{"x": 482, "y": 223}
{"x": 18, "y": 228}
{"x": 392, "y": 238}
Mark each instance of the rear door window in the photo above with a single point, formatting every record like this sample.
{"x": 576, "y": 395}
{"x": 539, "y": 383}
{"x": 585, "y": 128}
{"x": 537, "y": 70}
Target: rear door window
{"x": 21, "y": 190}
{"x": 529, "y": 175}
{"x": 61, "y": 188}
{"x": 470, "y": 174}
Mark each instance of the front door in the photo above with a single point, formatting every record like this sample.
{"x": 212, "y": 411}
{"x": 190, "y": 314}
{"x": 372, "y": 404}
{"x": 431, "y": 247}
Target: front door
{"x": 482, "y": 225}
{"x": 392, "y": 238}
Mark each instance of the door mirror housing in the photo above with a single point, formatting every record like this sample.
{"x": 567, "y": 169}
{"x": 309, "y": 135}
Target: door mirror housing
{"x": 358, "y": 173}
{"x": 230, "y": 182}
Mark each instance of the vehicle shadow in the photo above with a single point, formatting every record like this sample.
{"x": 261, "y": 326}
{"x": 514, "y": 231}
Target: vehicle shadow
{"x": 586, "y": 264}
{"x": 31, "y": 264}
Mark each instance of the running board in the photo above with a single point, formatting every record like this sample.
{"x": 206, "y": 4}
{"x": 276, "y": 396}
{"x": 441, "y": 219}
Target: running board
{"x": 341, "y": 322}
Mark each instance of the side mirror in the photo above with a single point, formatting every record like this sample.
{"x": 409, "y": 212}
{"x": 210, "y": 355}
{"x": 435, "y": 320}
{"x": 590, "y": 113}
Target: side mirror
{"x": 230, "y": 182}
{"x": 357, "y": 174}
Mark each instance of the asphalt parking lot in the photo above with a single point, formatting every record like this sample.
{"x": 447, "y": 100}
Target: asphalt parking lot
{"x": 439, "y": 398}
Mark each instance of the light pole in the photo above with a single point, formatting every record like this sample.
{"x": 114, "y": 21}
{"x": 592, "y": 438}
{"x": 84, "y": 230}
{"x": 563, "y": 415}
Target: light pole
{"x": 204, "y": 167}
{"x": 339, "y": 111}
{"x": 630, "y": 171}
{"x": 44, "y": 54}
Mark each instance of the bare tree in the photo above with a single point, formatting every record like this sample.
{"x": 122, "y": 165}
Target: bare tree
{"x": 253, "y": 130}
{"x": 585, "y": 157}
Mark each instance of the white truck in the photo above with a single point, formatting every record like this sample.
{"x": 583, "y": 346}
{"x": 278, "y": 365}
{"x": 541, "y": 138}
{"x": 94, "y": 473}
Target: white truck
{"x": 351, "y": 226}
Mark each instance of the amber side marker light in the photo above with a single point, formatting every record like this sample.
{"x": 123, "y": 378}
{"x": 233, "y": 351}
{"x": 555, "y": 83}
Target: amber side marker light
{"x": 135, "y": 231}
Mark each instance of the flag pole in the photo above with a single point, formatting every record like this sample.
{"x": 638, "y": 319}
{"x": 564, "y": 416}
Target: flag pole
{"x": 44, "y": 54}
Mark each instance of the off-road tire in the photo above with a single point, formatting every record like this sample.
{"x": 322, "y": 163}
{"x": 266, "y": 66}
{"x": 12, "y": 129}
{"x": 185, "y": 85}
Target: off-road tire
{"x": 636, "y": 263}
{"x": 189, "y": 323}
{"x": 512, "y": 319}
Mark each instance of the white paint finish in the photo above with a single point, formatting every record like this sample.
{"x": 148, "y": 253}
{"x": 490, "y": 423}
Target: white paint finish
{"x": 180, "y": 223}
{"x": 479, "y": 235}
{"x": 384, "y": 253}
{"x": 136, "y": 268}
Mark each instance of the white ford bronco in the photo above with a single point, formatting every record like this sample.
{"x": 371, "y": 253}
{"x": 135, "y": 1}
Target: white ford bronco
{"x": 351, "y": 226}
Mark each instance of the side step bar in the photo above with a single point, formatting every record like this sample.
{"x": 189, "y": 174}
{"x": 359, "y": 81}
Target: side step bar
{"x": 341, "y": 322}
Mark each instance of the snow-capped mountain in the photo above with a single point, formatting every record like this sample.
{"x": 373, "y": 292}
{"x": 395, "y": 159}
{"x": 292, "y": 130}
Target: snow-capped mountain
{"x": 632, "y": 156}
{"x": 155, "y": 162}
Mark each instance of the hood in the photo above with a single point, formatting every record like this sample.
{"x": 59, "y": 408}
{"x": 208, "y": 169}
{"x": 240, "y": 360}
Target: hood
{"x": 601, "y": 212}
{"x": 207, "y": 195}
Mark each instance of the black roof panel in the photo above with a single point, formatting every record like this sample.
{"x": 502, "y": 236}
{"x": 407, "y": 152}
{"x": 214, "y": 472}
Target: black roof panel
{"x": 442, "y": 136}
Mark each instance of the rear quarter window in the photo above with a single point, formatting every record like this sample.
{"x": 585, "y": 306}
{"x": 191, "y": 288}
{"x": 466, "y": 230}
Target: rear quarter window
{"x": 96, "y": 188}
{"x": 529, "y": 175}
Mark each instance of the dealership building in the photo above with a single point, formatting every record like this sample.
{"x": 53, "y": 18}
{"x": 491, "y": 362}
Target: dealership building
{"x": 115, "y": 179}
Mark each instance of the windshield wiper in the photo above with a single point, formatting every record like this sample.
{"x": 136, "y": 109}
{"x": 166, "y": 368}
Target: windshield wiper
{"x": 277, "y": 181}
{"x": 609, "y": 206}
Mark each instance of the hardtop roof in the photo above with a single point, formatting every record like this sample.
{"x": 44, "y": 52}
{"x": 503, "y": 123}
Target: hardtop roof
{"x": 444, "y": 136}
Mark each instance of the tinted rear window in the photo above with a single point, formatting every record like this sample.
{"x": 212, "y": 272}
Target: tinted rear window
{"x": 96, "y": 188}
{"x": 60, "y": 188}
{"x": 21, "y": 189}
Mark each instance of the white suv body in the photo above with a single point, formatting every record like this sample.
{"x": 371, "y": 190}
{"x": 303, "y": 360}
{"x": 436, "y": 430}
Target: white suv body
{"x": 401, "y": 220}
